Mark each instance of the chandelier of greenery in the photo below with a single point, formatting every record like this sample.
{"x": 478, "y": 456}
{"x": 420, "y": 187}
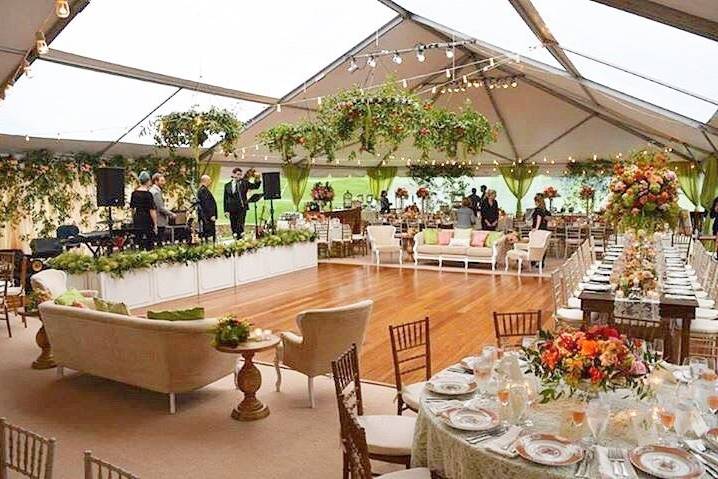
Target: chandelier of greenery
{"x": 378, "y": 122}
{"x": 424, "y": 173}
{"x": 49, "y": 189}
{"x": 193, "y": 128}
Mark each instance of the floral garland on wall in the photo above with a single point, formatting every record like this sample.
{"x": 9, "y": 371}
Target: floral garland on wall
{"x": 49, "y": 189}
{"x": 120, "y": 263}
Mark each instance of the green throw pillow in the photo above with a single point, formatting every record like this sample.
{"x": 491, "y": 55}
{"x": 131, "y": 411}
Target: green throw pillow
{"x": 69, "y": 297}
{"x": 105, "y": 306}
{"x": 492, "y": 238}
{"x": 431, "y": 236}
{"x": 178, "y": 315}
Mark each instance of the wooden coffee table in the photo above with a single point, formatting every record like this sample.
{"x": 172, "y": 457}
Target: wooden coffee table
{"x": 249, "y": 379}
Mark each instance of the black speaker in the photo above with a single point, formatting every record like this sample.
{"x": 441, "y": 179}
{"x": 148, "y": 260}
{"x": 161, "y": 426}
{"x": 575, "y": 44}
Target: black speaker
{"x": 272, "y": 190}
{"x": 110, "y": 186}
{"x": 45, "y": 247}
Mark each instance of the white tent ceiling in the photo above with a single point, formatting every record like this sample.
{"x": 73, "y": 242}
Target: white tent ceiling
{"x": 566, "y": 105}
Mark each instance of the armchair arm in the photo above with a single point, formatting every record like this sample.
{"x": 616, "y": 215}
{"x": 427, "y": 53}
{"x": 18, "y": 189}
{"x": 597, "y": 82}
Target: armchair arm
{"x": 521, "y": 246}
{"x": 291, "y": 338}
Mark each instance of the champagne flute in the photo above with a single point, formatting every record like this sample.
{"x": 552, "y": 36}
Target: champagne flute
{"x": 597, "y": 415}
{"x": 578, "y": 414}
{"x": 503, "y": 394}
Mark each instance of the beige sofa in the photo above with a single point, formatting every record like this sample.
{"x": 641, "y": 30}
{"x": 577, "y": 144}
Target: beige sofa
{"x": 165, "y": 356}
{"x": 463, "y": 254}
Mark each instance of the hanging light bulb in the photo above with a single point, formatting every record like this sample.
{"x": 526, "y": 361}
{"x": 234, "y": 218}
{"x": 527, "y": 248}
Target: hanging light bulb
{"x": 352, "y": 66}
{"x": 420, "y": 54}
{"x": 396, "y": 58}
{"x": 62, "y": 8}
{"x": 27, "y": 138}
{"x": 279, "y": 107}
{"x": 433, "y": 90}
{"x": 41, "y": 44}
{"x": 514, "y": 83}
{"x": 404, "y": 83}
{"x": 371, "y": 61}
{"x": 448, "y": 73}
{"x": 450, "y": 52}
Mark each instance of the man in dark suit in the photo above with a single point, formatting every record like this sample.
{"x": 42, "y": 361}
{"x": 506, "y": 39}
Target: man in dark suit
{"x": 207, "y": 209}
{"x": 235, "y": 200}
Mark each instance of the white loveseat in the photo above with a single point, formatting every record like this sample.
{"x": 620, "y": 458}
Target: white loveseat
{"x": 169, "y": 357}
{"x": 471, "y": 254}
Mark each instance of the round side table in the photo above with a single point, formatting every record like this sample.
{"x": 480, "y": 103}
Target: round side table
{"x": 249, "y": 379}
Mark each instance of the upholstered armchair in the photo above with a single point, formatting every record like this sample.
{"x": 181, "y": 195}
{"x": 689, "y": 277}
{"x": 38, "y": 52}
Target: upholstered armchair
{"x": 533, "y": 251}
{"x": 54, "y": 282}
{"x": 382, "y": 240}
{"x": 324, "y": 334}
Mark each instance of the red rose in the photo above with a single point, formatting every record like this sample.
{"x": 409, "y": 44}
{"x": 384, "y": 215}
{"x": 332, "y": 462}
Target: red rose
{"x": 595, "y": 374}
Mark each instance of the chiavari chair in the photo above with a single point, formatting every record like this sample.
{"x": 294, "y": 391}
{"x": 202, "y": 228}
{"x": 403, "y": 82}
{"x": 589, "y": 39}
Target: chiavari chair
{"x": 574, "y": 237}
{"x": 563, "y": 314}
{"x": 411, "y": 352}
{"x": 322, "y": 231}
{"x": 558, "y": 234}
{"x": 98, "y": 469}
{"x": 682, "y": 242}
{"x": 7, "y": 270}
{"x": 512, "y": 327}
{"x": 25, "y": 452}
{"x": 356, "y": 450}
{"x": 598, "y": 237}
{"x": 389, "y": 438}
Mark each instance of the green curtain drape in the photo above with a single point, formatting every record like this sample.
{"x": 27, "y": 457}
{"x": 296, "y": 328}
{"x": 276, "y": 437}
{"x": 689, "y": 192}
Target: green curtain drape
{"x": 297, "y": 176}
{"x": 518, "y": 179}
{"x": 380, "y": 178}
{"x": 213, "y": 170}
{"x": 688, "y": 174}
{"x": 710, "y": 188}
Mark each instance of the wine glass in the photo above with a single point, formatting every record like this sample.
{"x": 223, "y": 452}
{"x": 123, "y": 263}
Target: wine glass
{"x": 532, "y": 391}
{"x": 482, "y": 371}
{"x": 597, "y": 415}
{"x": 696, "y": 366}
{"x": 519, "y": 399}
{"x": 666, "y": 418}
{"x": 503, "y": 394}
{"x": 682, "y": 422}
{"x": 708, "y": 399}
{"x": 578, "y": 413}
{"x": 657, "y": 348}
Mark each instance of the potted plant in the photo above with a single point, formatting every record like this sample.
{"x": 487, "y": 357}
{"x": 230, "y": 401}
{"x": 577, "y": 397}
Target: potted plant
{"x": 230, "y": 331}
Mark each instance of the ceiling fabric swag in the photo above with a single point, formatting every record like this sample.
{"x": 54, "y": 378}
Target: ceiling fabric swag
{"x": 380, "y": 178}
{"x": 518, "y": 179}
{"x": 297, "y": 175}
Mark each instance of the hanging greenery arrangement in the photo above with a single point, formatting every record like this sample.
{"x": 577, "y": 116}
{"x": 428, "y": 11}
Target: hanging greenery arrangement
{"x": 315, "y": 138}
{"x": 424, "y": 173}
{"x": 193, "y": 128}
{"x": 50, "y": 189}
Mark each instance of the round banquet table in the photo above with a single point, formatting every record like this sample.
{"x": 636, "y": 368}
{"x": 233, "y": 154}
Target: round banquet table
{"x": 443, "y": 449}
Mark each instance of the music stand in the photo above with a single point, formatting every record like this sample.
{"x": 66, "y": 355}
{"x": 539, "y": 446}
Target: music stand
{"x": 254, "y": 199}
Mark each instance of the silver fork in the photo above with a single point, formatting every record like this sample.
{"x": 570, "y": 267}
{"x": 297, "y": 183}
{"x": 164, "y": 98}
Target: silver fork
{"x": 582, "y": 469}
{"x": 615, "y": 457}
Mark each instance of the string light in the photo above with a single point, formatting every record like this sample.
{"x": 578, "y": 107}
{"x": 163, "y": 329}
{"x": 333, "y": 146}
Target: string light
{"x": 448, "y": 73}
{"x": 371, "y": 61}
{"x": 352, "y": 66}
{"x": 420, "y": 57}
{"x": 404, "y": 83}
{"x": 27, "y": 138}
{"x": 396, "y": 58}
{"x": 450, "y": 52}
{"x": 62, "y": 8}
{"x": 279, "y": 107}
{"x": 40, "y": 43}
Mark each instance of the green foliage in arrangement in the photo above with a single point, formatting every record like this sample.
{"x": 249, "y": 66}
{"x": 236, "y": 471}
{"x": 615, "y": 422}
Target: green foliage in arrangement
{"x": 230, "y": 331}
{"x": 379, "y": 121}
{"x": 49, "y": 189}
{"x": 193, "y": 128}
{"x": 425, "y": 173}
{"x": 120, "y": 263}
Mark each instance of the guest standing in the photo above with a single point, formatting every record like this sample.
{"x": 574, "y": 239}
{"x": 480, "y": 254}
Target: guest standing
{"x": 475, "y": 200}
{"x": 483, "y": 194}
{"x": 144, "y": 213}
{"x": 465, "y": 216}
{"x": 384, "y": 205}
{"x": 207, "y": 210}
{"x": 490, "y": 212}
{"x": 539, "y": 216}
{"x": 163, "y": 213}
{"x": 235, "y": 200}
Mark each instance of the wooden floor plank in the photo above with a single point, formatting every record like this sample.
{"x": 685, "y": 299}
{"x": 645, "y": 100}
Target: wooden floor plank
{"x": 459, "y": 305}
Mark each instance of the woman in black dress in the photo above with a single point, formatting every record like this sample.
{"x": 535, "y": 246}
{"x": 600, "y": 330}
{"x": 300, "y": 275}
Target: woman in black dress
{"x": 539, "y": 217}
{"x": 489, "y": 212}
{"x": 144, "y": 213}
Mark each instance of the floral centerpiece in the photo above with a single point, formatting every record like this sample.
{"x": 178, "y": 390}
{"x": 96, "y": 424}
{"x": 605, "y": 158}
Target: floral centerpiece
{"x": 323, "y": 193}
{"x": 586, "y": 362}
{"x": 587, "y": 194}
{"x": 230, "y": 331}
{"x": 402, "y": 193}
{"x": 550, "y": 193}
{"x": 644, "y": 193}
{"x": 637, "y": 276}
{"x": 422, "y": 193}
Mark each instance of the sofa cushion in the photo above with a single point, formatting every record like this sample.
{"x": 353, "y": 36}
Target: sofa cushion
{"x": 431, "y": 236}
{"x": 177, "y": 315}
{"x": 463, "y": 233}
{"x": 436, "y": 249}
{"x": 478, "y": 238}
{"x": 479, "y": 252}
{"x": 464, "y": 242}
{"x": 105, "y": 306}
{"x": 389, "y": 435}
{"x": 492, "y": 238}
{"x": 445, "y": 237}
{"x": 69, "y": 297}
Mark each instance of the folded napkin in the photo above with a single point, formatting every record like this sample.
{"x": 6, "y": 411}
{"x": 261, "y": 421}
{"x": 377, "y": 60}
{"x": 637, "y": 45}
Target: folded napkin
{"x": 605, "y": 468}
{"x": 595, "y": 287}
{"x": 679, "y": 296}
{"x": 440, "y": 407}
{"x": 500, "y": 444}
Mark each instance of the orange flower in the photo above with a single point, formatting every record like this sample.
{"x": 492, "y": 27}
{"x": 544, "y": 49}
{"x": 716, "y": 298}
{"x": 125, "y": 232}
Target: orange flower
{"x": 550, "y": 357}
{"x": 589, "y": 348}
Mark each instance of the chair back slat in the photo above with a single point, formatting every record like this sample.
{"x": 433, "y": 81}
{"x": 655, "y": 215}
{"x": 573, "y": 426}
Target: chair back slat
{"x": 354, "y": 444}
{"x": 98, "y": 469}
{"x": 411, "y": 349}
{"x": 25, "y": 452}
{"x": 345, "y": 370}
{"x": 509, "y": 326}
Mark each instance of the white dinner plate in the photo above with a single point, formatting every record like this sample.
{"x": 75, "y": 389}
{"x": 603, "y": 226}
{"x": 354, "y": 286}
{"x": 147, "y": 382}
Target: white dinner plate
{"x": 666, "y": 462}
{"x": 449, "y": 386}
{"x": 467, "y": 419}
{"x": 548, "y": 449}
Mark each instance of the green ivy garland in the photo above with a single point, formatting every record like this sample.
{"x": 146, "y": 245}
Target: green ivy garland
{"x": 120, "y": 263}
{"x": 49, "y": 189}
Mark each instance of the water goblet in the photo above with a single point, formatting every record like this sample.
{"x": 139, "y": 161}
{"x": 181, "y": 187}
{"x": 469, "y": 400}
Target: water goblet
{"x": 597, "y": 416}
{"x": 483, "y": 366}
{"x": 682, "y": 422}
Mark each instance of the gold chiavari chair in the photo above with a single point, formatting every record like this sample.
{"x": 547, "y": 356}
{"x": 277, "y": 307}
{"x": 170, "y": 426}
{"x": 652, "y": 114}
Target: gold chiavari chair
{"x": 512, "y": 327}
{"x": 25, "y": 452}
{"x": 411, "y": 352}
{"x": 322, "y": 231}
{"x": 563, "y": 315}
{"x": 98, "y": 469}
{"x": 555, "y": 242}
{"x": 575, "y": 234}
{"x": 598, "y": 237}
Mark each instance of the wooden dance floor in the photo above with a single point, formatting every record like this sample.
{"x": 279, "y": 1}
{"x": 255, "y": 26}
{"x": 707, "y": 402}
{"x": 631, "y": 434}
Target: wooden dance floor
{"x": 459, "y": 305}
